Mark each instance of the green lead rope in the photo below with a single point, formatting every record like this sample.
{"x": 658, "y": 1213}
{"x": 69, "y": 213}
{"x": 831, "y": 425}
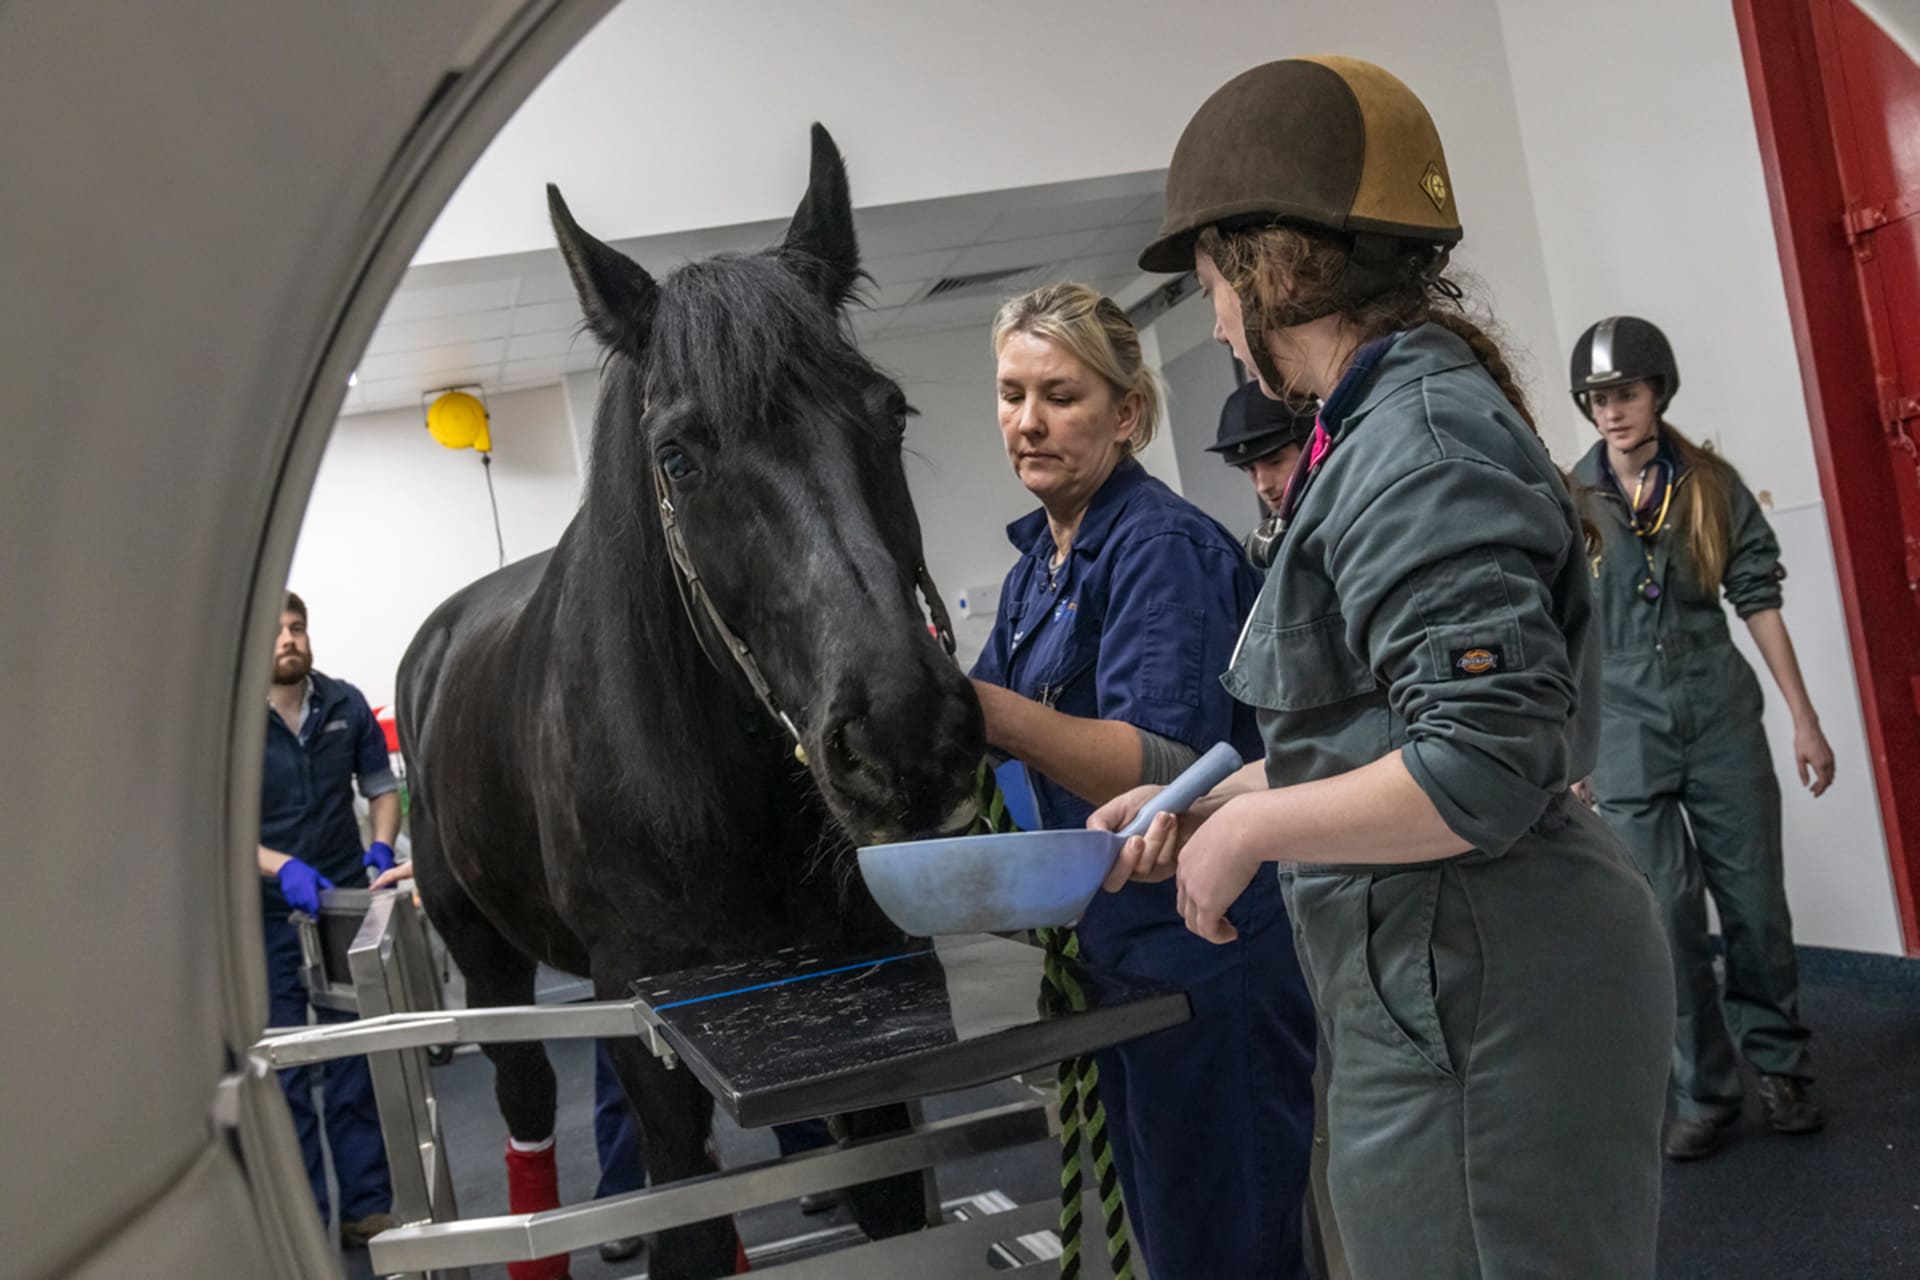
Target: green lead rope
{"x": 1083, "y": 1118}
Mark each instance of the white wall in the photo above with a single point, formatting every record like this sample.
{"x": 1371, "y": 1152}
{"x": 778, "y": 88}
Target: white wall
{"x": 673, "y": 117}
{"x": 396, "y": 524}
{"x": 1198, "y": 384}
{"x": 1653, "y": 202}
{"x": 963, "y": 486}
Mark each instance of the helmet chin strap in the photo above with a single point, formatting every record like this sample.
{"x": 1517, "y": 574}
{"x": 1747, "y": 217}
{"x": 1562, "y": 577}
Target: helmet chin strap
{"x": 1263, "y": 360}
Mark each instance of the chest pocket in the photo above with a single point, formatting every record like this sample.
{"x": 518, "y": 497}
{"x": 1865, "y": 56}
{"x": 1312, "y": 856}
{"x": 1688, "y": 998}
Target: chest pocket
{"x": 1295, "y": 667}
{"x": 330, "y": 754}
{"x": 1056, "y": 652}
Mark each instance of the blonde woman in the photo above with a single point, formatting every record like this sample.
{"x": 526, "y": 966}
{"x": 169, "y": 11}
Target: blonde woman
{"x": 1101, "y": 673}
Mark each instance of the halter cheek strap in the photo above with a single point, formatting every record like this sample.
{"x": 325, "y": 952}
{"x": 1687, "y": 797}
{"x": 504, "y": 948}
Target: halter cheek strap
{"x": 700, "y": 608}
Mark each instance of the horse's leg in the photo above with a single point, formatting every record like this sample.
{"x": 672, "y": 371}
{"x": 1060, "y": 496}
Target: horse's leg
{"x": 676, "y": 1116}
{"x": 891, "y": 1206}
{"x": 523, "y": 1080}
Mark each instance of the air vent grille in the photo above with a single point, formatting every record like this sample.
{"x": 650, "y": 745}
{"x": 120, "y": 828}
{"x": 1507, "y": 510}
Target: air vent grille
{"x": 1007, "y": 280}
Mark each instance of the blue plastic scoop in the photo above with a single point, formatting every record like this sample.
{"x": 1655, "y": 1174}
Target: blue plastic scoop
{"x": 1023, "y": 880}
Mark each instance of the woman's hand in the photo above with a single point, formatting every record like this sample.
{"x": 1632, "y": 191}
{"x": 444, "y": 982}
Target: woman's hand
{"x": 1216, "y": 866}
{"x": 1153, "y": 857}
{"x": 392, "y": 875}
{"x": 1813, "y": 756}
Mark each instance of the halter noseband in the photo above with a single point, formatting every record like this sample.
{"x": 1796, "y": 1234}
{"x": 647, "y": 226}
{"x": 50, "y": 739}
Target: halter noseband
{"x": 699, "y": 605}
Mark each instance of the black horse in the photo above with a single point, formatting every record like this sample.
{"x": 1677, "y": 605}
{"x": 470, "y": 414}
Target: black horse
{"x": 599, "y": 781}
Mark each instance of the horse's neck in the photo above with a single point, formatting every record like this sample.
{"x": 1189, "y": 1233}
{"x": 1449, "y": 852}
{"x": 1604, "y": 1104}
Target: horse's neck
{"x": 652, "y": 692}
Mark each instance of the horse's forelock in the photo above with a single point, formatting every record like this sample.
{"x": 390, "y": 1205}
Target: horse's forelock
{"x": 742, "y": 338}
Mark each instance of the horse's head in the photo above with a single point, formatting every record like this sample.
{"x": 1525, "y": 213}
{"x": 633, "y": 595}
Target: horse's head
{"x": 733, "y": 393}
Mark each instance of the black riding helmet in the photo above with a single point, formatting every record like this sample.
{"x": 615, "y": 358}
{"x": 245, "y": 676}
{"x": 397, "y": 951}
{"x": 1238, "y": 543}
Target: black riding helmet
{"x": 1253, "y": 425}
{"x": 1619, "y": 350}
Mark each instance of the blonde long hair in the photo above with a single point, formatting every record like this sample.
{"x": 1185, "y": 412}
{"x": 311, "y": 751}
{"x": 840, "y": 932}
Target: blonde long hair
{"x": 1705, "y": 509}
{"x": 1091, "y": 326}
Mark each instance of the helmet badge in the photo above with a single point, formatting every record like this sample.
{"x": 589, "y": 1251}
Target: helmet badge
{"x": 1434, "y": 183}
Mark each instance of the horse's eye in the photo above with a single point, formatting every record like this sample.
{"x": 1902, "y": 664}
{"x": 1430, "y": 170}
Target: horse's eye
{"x": 676, "y": 464}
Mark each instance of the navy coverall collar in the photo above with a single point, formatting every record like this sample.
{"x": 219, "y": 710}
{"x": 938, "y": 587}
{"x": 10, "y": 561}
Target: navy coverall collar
{"x": 1594, "y": 469}
{"x": 1031, "y": 535}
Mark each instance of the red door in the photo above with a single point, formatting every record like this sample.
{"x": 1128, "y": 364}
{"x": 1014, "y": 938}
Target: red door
{"x": 1837, "y": 107}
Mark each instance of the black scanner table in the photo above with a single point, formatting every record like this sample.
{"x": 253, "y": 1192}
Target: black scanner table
{"x": 798, "y": 1034}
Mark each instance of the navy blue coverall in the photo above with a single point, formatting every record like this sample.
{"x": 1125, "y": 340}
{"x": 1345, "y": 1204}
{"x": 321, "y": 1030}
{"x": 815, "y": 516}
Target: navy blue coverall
{"x": 306, "y": 812}
{"x": 1211, "y": 1122}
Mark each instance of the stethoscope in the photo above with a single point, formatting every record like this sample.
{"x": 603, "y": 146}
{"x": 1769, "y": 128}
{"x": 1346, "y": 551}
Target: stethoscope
{"x": 1649, "y": 588}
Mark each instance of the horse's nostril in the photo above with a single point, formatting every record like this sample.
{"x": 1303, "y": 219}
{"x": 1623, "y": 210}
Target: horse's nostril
{"x": 854, "y": 750}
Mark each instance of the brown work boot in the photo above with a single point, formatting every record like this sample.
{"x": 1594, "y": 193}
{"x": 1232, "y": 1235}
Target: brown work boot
{"x": 1694, "y": 1137}
{"x": 356, "y": 1234}
{"x": 1790, "y": 1108}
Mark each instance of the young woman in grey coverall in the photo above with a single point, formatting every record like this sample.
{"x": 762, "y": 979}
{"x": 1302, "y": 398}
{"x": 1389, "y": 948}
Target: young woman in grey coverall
{"x": 1684, "y": 776}
{"x": 1488, "y": 964}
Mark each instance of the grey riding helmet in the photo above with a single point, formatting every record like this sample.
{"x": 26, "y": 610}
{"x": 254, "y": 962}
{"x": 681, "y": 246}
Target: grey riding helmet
{"x": 1619, "y": 350}
{"x": 1252, "y": 425}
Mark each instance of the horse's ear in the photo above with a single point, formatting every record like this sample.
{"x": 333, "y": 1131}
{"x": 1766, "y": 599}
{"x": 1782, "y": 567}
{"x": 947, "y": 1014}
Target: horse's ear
{"x": 616, "y": 293}
{"x": 820, "y": 243}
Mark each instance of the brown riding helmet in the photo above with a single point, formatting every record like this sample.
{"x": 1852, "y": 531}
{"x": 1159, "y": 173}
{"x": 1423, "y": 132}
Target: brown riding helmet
{"x": 1327, "y": 142}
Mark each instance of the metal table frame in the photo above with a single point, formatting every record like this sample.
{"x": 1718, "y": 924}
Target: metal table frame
{"x": 392, "y": 983}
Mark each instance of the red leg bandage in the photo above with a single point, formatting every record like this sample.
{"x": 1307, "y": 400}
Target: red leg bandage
{"x": 533, "y": 1185}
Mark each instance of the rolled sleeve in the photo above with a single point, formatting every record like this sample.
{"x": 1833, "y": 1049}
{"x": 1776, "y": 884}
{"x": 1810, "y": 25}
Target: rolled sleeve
{"x": 1173, "y": 613}
{"x": 1444, "y": 581}
{"x": 372, "y": 768}
{"x": 1754, "y": 571}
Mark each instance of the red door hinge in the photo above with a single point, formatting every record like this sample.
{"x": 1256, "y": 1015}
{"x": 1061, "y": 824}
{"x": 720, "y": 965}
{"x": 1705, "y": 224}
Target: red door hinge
{"x": 1862, "y": 219}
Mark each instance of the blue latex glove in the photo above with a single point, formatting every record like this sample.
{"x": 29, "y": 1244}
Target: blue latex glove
{"x": 379, "y": 856}
{"x": 302, "y": 885}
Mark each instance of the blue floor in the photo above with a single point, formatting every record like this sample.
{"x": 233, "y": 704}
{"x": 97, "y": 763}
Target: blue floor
{"x": 1843, "y": 1204}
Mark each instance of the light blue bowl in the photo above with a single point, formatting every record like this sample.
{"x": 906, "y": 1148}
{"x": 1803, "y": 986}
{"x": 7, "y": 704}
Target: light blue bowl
{"x": 1025, "y": 880}
{"x": 989, "y": 884}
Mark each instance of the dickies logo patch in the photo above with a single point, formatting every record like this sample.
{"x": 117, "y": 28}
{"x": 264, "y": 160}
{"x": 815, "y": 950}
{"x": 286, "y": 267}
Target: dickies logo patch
{"x": 1477, "y": 661}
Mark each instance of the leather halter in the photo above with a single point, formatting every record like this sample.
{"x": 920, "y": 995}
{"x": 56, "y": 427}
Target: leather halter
{"x": 699, "y": 606}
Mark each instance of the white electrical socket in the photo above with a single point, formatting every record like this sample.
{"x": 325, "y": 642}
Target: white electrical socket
{"x": 977, "y": 602}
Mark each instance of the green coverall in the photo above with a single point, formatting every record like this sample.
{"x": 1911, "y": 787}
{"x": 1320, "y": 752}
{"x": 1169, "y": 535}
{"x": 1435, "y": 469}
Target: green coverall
{"x": 1686, "y": 780}
{"x": 1498, "y": 1021}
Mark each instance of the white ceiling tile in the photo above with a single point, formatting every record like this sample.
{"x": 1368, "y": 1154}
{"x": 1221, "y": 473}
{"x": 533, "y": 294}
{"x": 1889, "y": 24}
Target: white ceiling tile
{"x": 946, "y": 311}
{"x": 438, "y": 331}
{"x": 1127, "y": 236}
{"x": 1106, "y": 264}
{"x": 880, "y": 297}
{"x": 925, "y": 234}
{"x": 546, "y": 286}
{"x": 390, "y": 393}
{"x": 559, "y": 342}
{"x": 1019, "y": 253}
{"x": 546, "y": 317}
{"x": 583, "y": 357}
{"x": 1149, "y": 209}
{"x": 446, "y": 300}
{"x": 913, "y": 266}
{"x": 524, "y": 372}
{"x": 1058, "y": 219}
{"x": 866, "y": 324}
{"x": 432, "y": 361}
